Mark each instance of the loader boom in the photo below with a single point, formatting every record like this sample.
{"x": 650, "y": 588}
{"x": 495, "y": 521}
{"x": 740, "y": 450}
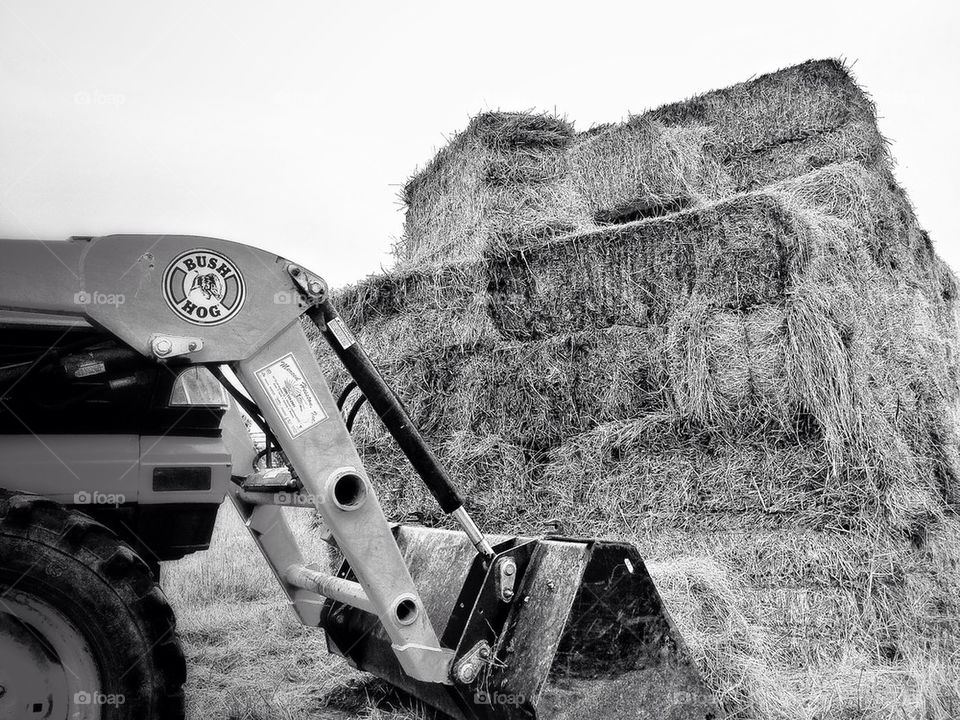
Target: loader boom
{"x": 543, "y": 624}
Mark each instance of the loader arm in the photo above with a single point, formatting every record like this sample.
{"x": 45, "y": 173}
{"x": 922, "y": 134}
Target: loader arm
{"x": 526, "y": 627}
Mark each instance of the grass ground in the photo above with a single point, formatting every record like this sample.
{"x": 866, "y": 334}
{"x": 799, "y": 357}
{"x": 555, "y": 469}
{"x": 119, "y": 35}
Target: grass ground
{"x": 248, "y": 658}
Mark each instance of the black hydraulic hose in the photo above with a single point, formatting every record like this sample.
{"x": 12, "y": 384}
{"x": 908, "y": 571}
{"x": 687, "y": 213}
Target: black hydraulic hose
{"x": 352, "y": 415}
{"x": 387, "y": 405}
{"x": 243, "y": 401}
{"x": 253, "y": 411}
{"x": 265, "y": 453}
{"x": 345, "y": 393}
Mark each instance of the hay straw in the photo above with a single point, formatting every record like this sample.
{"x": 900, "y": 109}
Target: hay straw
{"x": 647, "y": 164}
{"x": 510, "y": 178}
{"x": 753, "y": 375}
{"x": 728, "y": 650}
{"x": 786, "y": 106}
{"x": 502, "y": 181}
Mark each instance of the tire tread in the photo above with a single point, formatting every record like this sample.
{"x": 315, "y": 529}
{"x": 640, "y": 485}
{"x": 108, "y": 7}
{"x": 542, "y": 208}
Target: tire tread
{"x": 24, "y": 516}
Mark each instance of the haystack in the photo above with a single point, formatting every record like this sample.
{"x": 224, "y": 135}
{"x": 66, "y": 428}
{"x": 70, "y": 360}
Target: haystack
{"x": 716, "y": 330}
{"x": 513, "y": 177}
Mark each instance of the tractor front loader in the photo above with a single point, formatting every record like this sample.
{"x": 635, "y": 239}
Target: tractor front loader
{"x": 120, "y": 442}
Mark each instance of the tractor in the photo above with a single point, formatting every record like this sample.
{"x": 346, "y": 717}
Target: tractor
{"x": 131, "y": 370}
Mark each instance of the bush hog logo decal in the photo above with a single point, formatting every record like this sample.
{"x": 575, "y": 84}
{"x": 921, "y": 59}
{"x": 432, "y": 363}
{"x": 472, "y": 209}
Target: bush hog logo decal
{"x": 203, "y": 287}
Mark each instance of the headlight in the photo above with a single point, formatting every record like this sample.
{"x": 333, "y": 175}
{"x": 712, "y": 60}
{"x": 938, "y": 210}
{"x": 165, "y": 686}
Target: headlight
{"x": 197, "y": 386}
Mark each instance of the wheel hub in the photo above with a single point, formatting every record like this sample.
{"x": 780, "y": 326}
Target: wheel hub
{"x": 49, "y": 670}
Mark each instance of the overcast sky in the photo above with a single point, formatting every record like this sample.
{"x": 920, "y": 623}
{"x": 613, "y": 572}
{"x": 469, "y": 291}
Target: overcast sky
{"x": 292, "y": 125}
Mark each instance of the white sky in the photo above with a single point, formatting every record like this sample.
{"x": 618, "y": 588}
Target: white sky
{"x": 292, "y": 125}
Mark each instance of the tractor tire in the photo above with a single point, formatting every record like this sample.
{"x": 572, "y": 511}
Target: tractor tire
{"x": 85, "y": 631}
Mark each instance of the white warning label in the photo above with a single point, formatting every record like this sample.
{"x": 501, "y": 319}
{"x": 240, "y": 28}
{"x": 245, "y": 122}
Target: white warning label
{"x": 291, "y": 395}
{"x": 341, "y": 332}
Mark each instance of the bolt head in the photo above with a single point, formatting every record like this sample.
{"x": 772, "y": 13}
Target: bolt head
{"x": 162, "y": 346}
{"x": 509, "y": 569}
{"x": 316, "y": 287}
{"x": 193, "y": 346}
{"x": 484, "y": 653}
{"x": 467, "y": 672}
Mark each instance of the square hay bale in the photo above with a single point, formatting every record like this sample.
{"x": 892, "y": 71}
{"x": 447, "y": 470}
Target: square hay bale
{"x": 659, "y": 472}
{"x": 741, "y": 251}
{"x": 732, "y": 382}
{"x": 857, "y": 339}
{"x": 510, "y": 178}
{"x": 735, "y": 253}
{"x": 776, "y": 127}
{"x": 546, "y": 390}
{"x": 646, "y": 169}
{"x": 857, "y": 140}
{"x": 414, "y": 311}
{"x": 780, "y": 107}
{"x": 745, "y": 250}
{"x": 503, "y": 180}
{"x": 848, "y": 357}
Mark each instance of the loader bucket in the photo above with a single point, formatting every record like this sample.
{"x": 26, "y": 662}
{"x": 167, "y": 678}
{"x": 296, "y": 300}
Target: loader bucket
{"x": 576, "y": 631}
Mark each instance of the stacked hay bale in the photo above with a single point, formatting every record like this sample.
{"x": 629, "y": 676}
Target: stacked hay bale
{"x": 716, "y": 330}
{"x": 504, "y": 181}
